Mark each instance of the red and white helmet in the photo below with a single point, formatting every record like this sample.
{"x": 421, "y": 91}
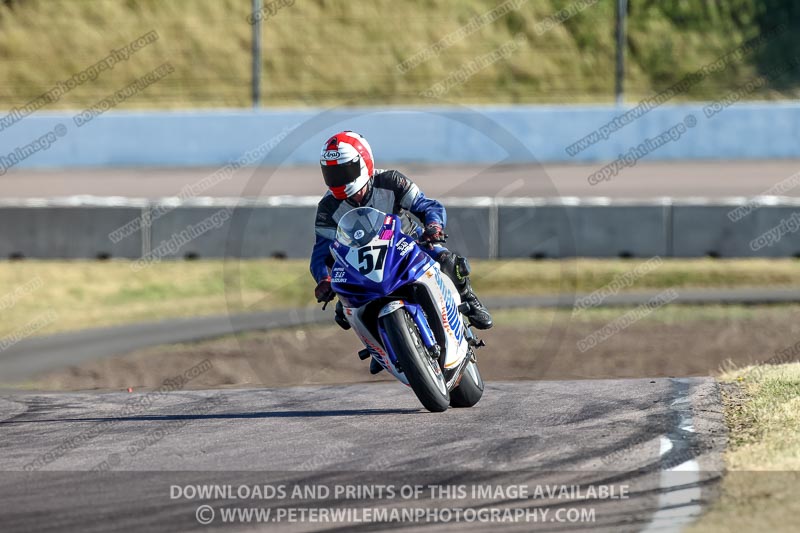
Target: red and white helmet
{"x": 346, "y": 162}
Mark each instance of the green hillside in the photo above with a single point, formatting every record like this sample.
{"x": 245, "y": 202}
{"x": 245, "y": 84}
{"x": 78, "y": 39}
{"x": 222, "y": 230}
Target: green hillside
{"x": 330, "y": 52}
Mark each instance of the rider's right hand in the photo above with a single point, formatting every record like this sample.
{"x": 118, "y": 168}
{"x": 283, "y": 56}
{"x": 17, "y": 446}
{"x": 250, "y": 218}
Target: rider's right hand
{"x": 324, "y": 292}
{"x": 433, "y": 234}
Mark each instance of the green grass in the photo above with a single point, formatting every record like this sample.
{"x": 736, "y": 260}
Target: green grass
{"x": 328, "y": 52}
{"x": 91, "y": 294}
{"x": 759, "y": 491}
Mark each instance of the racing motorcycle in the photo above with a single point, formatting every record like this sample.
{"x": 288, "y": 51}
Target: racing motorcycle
{"x": 405, "y": 310}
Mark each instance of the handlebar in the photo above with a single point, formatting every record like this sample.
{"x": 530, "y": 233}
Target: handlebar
{"x": 436, "y": 241}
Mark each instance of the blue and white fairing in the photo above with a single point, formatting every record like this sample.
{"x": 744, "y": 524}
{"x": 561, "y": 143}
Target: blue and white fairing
{"x": 373, "y": 257}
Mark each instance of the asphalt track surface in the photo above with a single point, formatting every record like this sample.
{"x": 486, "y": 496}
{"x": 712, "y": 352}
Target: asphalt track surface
{"x": 114, "y": 461}
{"x": 36, "y": 355}
{"x": 656, "y": 441}
{"x": 645, "y": 180}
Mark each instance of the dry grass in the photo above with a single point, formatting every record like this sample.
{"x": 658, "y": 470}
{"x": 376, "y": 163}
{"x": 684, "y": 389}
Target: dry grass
{"x": 759, "y": 492}
{"x": 765, "y": 419}
{"x": 326, "y": 52}
{"x": 90, "y": 294}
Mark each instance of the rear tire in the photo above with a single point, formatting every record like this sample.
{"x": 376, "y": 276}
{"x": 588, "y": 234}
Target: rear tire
{"x": 470, "y": 389}
{"x": 423, "y": 372}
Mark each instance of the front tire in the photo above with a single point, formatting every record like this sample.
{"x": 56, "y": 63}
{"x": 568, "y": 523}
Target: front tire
{"x": 470, "y": 389}
{"x": 422, "y": 371}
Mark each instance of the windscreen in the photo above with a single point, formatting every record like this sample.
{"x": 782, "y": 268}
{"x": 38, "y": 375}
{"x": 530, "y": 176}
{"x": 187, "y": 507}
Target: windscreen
{"x": 359, "y": 226}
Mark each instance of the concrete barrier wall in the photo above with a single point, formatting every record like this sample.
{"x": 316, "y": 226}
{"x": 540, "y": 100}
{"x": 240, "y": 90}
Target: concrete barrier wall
{"x": 67, "y": 232}
{"x": 470, "y": 231}
{"x": 708, "y": 231}
{"x": 283, "y": 231}
{"x": 517, "y": 228}
{"x": 548, "y": 231}
{"x": 488, "y": 134}
{"x": 247, "y": 232}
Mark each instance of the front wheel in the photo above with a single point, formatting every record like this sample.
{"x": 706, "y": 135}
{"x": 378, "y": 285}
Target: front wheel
{"x": 470, "y": 389}
{"x": 421, "y": 370}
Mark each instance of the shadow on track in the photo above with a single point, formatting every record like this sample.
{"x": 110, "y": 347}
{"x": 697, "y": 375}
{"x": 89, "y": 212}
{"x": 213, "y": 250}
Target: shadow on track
{"x": 228, "y": 416}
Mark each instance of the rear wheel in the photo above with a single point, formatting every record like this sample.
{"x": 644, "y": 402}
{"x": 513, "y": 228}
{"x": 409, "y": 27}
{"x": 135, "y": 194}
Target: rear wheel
{"x": 422, "y": 371}
{"x": 470, "y": 389}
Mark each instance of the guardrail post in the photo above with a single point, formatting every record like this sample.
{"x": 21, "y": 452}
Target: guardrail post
{"x": 256, "y": 81}
{"x": 622, "y": 15}
{"x": 494, "y": 229}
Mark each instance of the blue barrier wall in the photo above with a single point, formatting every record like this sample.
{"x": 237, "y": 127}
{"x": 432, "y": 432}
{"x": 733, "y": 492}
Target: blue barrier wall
{"x": 511, "y": 134}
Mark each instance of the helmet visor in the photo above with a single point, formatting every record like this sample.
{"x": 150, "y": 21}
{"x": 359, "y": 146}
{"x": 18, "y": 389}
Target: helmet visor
{"x": 341, "y": 175}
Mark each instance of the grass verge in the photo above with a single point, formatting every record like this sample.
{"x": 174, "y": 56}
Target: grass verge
{"x": 458, "y": 44}
{"x": 759, "y": 491}
{"x": 83, "y": 294}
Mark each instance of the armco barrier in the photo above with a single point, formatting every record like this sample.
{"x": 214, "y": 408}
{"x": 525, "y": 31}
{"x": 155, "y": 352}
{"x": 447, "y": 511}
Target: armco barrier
{"x": 437, "y": 135}
{"x": 478, "y": 228}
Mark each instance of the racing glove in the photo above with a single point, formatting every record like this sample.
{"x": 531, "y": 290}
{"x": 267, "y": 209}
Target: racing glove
{"x": 434, "y": 233}
{"x": 324, "y": 292}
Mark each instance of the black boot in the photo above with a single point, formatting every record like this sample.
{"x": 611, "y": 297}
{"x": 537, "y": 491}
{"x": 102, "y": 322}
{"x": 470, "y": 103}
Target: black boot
{"x": 339, "y": 317}
{"x": 375, "y": 367}
{"x": 478, "y": 315}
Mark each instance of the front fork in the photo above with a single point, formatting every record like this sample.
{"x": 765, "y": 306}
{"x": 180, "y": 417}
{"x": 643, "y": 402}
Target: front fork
{"x": 426, "y": 333}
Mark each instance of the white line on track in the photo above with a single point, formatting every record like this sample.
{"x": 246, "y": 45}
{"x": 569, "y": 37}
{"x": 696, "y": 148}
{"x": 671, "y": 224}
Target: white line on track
{"x": 680, "y": 493}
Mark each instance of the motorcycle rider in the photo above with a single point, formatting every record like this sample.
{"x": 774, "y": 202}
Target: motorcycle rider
{"x": 348, "y": 170}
